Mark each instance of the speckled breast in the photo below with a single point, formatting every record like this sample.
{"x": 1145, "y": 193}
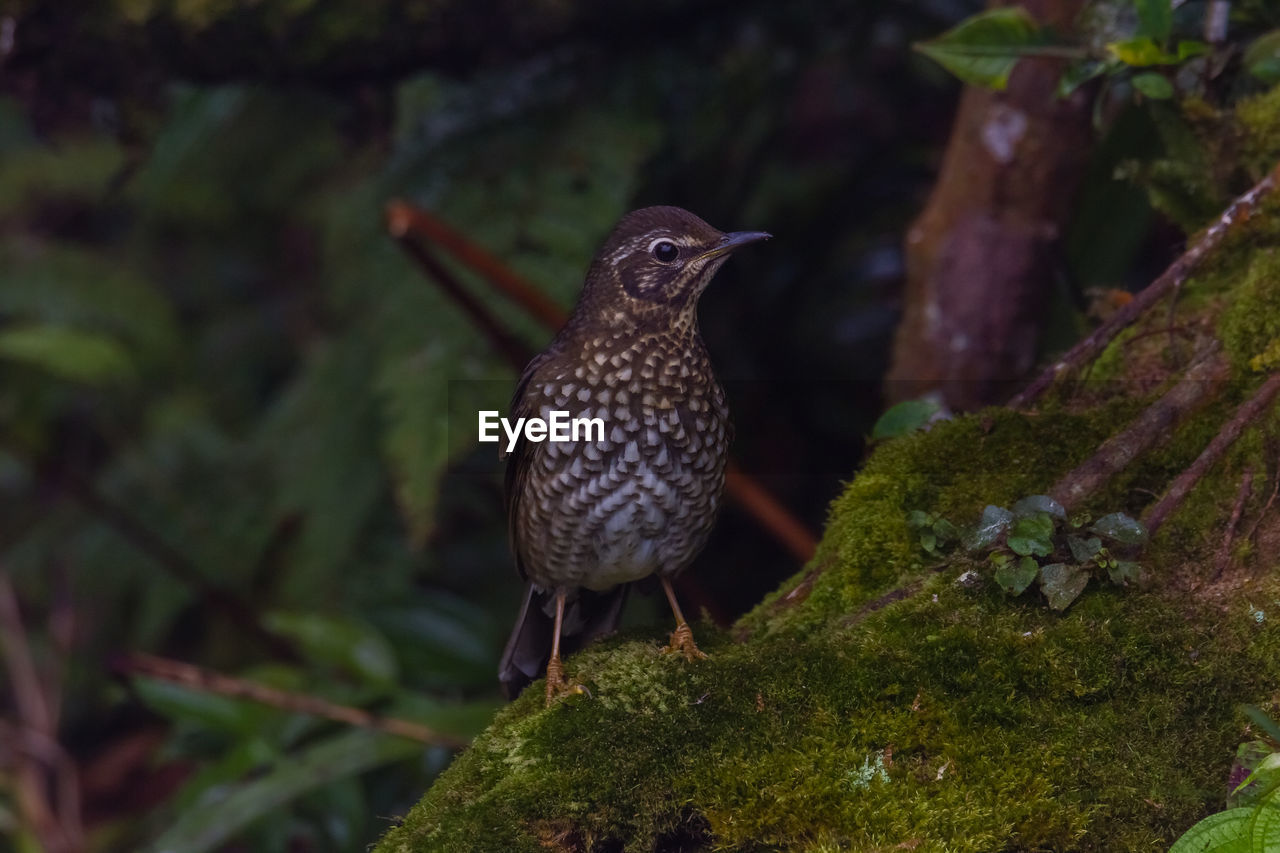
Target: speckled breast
{"x": 641, "y": 501}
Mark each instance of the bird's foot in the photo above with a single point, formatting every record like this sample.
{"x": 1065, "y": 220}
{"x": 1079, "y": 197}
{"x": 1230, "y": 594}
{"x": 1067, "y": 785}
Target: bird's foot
{"x": 682, "y": 641}
{"x": 558, "y": 685}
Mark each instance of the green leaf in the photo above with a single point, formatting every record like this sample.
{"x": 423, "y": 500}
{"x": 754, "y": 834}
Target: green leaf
{"x": 1032, "y": 535}
{"x": 945, "y": 531}
{"x": 1124, "y": 572}
{"x": 1155, "y": 18}
{"x": 1141, "y": 51}
{"x": 1014, "y": 578}
{"x": 904, "y": 418}
{"x": 1062, "y": 584}
{"x": 1262, "y": 721}
{"x": 1039, "y": 503}
{"x": 209, "y": 710}
{"x": 342, "y": 642}
{"x": 983, "y": 49}
{"x": 928, "y": 541}
{"x": 68, "y": 353}
{"x": 1154, "y": 85}
{"x": 1120, "y": 528}
{"x": 1083, "y": 550}
{"x": 1078, "y": 73}
{"x": 1224, "y": 832}
{"x": 1262, "y": 58}
{"x": 1264, "y": 826}
{"x": 919, "y": 519}
{"x": 219, "y": 816}
{"x": 994, "y": 522}
{"x": 1188, "y": 49}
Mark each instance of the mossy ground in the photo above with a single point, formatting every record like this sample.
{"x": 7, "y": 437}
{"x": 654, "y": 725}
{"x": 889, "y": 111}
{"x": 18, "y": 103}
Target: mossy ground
{"x": 955, "y": 719}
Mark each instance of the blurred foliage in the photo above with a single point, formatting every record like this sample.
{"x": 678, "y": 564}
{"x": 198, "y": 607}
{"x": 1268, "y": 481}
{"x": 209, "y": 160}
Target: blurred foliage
{"x": 233, "y": 414}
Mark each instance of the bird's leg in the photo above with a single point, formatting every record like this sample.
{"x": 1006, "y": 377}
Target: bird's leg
{"x": 555, "y": 670}
{"x": 682, "y": 636}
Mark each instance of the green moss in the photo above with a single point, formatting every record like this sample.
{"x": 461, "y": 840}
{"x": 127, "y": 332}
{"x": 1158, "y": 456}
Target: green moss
{"x": 1259, "y": 122}
{"x": 955, "y": 469}
{"x": 1250, "y": 325}
{"x": 955, "y": 719}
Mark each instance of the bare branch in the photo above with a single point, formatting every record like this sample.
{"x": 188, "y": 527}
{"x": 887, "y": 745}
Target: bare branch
{"x": 1248, "y": 412}
{"x": 208, "y": 681}
{"x": 1239, "y": 211}
{"x": 1202, "y": 381}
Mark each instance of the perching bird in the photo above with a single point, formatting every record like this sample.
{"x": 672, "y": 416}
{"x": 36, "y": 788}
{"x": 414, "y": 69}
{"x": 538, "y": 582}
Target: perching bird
{"x": 587, "y": 518}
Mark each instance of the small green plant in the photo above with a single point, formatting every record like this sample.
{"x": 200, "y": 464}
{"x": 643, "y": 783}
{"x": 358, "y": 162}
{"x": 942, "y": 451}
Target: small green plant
{"x": 905, "y": 418}
{"x": 1035, "y": 541}
{"x": 1137, "y": 49}
{"x": 1252, "y": 819}
{"x": 933, "y": 531}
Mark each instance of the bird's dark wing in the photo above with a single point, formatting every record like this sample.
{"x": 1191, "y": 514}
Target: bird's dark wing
{"x": 589, "y": 615}
{"x": 523, "y": 405}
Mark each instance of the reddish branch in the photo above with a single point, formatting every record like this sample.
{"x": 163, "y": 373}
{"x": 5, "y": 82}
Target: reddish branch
{"x": 1239, "y": 212}
{"x": 515, "y": 352}
{"x": 1248, "y": 412}
{"x": 1205, "y": 378}
{"x": 46, "y": 787}
{"x": 405, "y": 220}
{"x": 413, "y": 227}
{"x": 208, "y": 681}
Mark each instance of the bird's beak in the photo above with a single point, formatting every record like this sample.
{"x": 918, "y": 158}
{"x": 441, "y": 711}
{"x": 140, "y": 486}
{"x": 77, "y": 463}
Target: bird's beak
{"x": 733, "y": 240}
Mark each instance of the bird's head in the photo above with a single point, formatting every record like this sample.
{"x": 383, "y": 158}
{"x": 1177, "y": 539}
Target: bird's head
{"x": 654, "y": 266}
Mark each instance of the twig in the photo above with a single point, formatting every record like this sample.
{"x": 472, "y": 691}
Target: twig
{"x": 1253, "y": 528}
{"x": 404, "y": 220}
{"x": 516, "y": 353}
{"x": 760, "y": 504}
{"x": 1239, "y": 211}
{"x": 410, "y": 225}
{"x": 209, "y": 681}
{"x": 48, "y": 792}
{"x": 1201, "y": 382}
{"x": 167, "y": 557}
{"x": 1246, "y": 414}
{"x": 1224, "y": 553}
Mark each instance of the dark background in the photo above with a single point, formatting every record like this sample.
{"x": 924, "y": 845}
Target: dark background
{"x": 228, "y": 398}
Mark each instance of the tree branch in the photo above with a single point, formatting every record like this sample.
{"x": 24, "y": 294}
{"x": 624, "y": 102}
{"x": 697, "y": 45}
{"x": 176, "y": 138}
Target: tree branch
{"x": 208, "y": 681}
{"x": 1239, "y": 211}
{"x": 46, "y": 787}
{"x": 1200, "y": 383}
{"x": 1248, "y": 412}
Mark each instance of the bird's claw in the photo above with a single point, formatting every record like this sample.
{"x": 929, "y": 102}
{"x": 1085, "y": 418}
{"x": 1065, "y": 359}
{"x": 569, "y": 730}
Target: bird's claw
{"x": 682, "y": 642}
{"x": 558, "y": 686}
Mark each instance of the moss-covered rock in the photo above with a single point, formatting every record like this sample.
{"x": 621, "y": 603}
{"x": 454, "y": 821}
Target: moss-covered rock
{"x": 887, "y": 699}
{"x": 947, "y": 717}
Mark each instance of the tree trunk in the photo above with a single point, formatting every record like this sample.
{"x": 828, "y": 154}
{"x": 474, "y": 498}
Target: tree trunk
{"x": 982, "y": 257}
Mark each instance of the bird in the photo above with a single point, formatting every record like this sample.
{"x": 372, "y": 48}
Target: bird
{"x": 587, "y": 518}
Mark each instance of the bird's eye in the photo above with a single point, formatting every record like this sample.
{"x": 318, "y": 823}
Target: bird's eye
{"x": 665, "y": 251}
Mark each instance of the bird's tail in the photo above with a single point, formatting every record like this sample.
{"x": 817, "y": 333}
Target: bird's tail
{"x": 587, "y": 616}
